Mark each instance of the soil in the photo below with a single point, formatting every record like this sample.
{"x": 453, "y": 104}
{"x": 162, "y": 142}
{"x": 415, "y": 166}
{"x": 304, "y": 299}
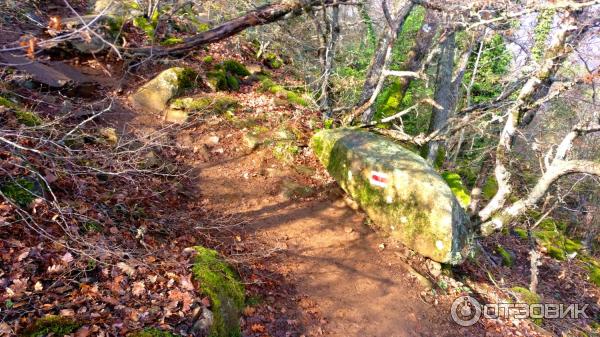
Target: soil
{"x": 345, "y": 279}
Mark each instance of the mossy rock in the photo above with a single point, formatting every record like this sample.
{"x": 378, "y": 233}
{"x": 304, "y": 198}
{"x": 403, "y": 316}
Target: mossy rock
{"x": 457, "y": 187}
{"x": 21, "y": 191}
{"x": 398, "y": 190}
{"x": 153, "y": 96}
{"x": 56, "y": 325}
{"x": 152, "y": 332}
{"x": 221, "y": 284}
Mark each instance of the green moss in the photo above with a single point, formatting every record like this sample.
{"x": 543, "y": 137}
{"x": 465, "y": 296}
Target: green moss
{"x": 490, "y": 188}
{"x": 520, "y": 232}
{"x": 171, "y": 41}
{"x": 594, "y": 274}
{"x": 216, "y": 104}
{"x": 267, "y": 85}
{"x": 454, "y": 181}
{"x": 507, "y": 258}
{"x": 232, "y": 82}
{"x": 21, "y": 191}
{"x": 208, "y": 59}
{"x": 272, "y": 61}
{"x": 5, "y": 102}
{"x": 220, "y": 283}
{"x": 235, "y": 68}
{"x": 285, "y": 151}
{"x": 57, "y": 325}
{"x": 187, "y": 79}
{"x": 526, "y": 296}
{"x": 541, "y": 31}
{"x": 152, "y": 332}
{"x": 28, "y": 118}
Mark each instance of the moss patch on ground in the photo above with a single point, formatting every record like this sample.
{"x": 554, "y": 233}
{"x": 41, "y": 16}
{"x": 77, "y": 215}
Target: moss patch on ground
{"x": 56, "y": 325}
{"x": 220, "y": 283}
{"x": 21, "y": 191}
{"x": 507, "y": 258}
{"x": 268, "y": 85}
{"x": 526, "y": 296}
{"x": 216, "y": 104}
{"x": 152, "y": 332}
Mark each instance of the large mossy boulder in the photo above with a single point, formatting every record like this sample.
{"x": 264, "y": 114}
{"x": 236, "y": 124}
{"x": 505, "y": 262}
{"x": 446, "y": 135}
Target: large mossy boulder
{"x": 398, "y": 190}
{"x": 153, "y": 96}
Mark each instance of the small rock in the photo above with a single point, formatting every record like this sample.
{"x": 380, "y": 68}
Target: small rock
{"x": 218, "y": 151}
{"x": 348, "y": 230}
{"x": 110, "y": 134}
{"x": 251, "y": 141}
{"x": 213, "y": 139}
{"x": 204, "y": 323}
{"x": 435, "y": 268}
{"x": 176, "y": 116}
{"x": 381, "y": 246}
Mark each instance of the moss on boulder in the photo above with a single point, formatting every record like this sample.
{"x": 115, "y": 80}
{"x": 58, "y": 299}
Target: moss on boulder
{"x": 398, "y": 190}
{"x": 153, "y": 96}
{"x": 457, "y": 187}
{"x": 220, "y": 283}
{"x": 51, "y": 324}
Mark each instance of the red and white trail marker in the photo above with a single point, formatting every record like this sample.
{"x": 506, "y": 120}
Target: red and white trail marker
{"x": 379, "y": 179}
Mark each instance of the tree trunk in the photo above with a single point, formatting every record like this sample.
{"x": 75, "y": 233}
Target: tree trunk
{"x": 382, "y": 57}
{"x": 443, "y": 93}
{"x": 333, "y": 29}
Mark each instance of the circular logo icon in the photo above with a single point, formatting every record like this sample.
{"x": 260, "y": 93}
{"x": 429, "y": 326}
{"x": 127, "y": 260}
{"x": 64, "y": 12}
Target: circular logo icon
{"x": 466, "y": 311}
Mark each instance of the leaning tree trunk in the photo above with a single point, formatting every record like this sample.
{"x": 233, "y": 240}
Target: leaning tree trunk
{"x": 261, "y": 16}
{"x": 419, "y": 51}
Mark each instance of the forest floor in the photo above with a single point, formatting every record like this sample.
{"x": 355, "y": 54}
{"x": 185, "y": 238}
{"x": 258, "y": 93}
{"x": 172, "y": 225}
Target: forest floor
{"x": 250, "y": 187}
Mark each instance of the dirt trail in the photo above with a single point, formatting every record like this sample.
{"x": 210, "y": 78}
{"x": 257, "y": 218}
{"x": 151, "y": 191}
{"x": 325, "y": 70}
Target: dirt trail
{"x": 331, "y": 258}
